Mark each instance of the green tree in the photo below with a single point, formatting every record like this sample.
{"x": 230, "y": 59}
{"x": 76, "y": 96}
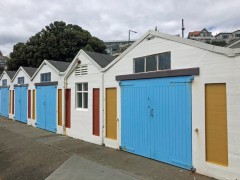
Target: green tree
{"x": 57, "y": 41}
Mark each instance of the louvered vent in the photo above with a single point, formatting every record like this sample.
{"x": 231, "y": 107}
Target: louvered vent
{"x": 81, "y": 70}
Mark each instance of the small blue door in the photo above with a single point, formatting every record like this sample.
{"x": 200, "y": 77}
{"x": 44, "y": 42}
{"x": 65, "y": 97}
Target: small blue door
{"x": 4, "y": 101}
{"x": 46, "y": 107}
{"x": 156, "y": 119}
{"x": 21, "y": 103}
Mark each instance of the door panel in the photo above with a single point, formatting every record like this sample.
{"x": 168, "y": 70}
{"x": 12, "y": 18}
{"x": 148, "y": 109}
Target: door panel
{"x": 29, "y": 104}
{"x": 135, "y": 109}
{"x": 21, "y": 104}
{"x": 156, "y": 119}
{"x": 17, "y": 103}
{"x": 46, "y": 107}
{"x": 40, "y": 108}
{"x": 51, "y": 120}
{"x": 68, "y": 107}
{"x": 33, "y": 104}
{"x": 96, "y": 113}
{"x": 60, "y": 107}
{"x": 216, "y": 124}
{"x": 13, "y": 100}
{"x": 111, "y": 113}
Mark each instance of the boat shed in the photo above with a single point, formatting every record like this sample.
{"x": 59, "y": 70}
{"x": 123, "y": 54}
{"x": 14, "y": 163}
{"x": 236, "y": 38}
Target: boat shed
{"x": 5, "y": 95}
{"x": 176, "y": 101}
{"x": 49, "y": 90}
{"x": 22, "y": 92}
{"x": 84, "y": 96}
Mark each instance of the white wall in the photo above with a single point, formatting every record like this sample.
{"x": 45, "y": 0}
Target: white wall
{"x": 82, "y": 119}
{"x": 54, "y": 77}
{"x": 214, "y": 68}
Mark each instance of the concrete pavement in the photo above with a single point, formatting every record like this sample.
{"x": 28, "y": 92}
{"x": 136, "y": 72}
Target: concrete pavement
{"x": 31, "y": 153}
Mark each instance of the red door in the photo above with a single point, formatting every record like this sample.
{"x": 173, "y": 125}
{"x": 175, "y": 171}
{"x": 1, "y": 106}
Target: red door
{"x": 68, "y": 107}
{"x": 96, "y": 112}
{"x": 13, "y": 101}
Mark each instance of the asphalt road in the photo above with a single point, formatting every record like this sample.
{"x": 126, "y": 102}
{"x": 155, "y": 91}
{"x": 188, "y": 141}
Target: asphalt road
{"x": 31, "y": 153}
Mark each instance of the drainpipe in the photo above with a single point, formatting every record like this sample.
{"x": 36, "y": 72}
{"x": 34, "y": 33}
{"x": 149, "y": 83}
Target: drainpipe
{"x": 103, "y": 111}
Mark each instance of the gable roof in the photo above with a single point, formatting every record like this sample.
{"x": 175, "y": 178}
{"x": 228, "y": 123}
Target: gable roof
{"x": 151, "y": 34}
{"x": 59, "y": 65}
{"x": 11, "y": 74}
{"x": 101, "y": 59}
{"x": 30, "y": 70}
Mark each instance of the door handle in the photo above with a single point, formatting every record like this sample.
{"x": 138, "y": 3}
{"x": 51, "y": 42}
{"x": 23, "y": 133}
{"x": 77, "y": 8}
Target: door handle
{"x": 151, "y": 112}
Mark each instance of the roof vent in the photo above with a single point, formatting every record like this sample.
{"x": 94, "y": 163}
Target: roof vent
{"x": 81, "y": 70}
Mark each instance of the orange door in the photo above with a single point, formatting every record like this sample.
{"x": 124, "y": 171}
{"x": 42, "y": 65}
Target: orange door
{"x": 216, "y": 124}
{"x": 60, "y": 107}
{"x": 111, "y": 113}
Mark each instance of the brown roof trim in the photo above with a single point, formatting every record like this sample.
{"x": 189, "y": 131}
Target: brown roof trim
{"x": 159, "y": 74}
{"x": 46, "y": 83}
{"x": 7, "y": 86}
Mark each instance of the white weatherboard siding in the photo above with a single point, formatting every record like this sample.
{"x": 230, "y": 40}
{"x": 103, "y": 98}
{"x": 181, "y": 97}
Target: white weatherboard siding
{"x": 82, "y": 119}
{"x": 54, "y": 77}
{"x": 214, "y": 68}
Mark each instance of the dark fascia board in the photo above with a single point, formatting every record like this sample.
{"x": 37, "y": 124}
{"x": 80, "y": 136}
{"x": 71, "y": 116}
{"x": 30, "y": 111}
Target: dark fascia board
{"x": 46, "y": 83}
{"x": 5, "y": 86}
{"x": 160, "y": 74}
{"x": 20, "y": 85}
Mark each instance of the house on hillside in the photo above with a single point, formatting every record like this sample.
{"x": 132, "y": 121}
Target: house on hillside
{"x": 203, "y": 36}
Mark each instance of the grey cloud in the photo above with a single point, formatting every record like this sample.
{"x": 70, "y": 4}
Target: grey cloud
{"x": 111, "y": 20}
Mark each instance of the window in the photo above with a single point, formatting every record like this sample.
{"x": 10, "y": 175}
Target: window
{"x": 4, "y": 82}
{"x": 164, "y": 61}
{"x": 139, "y": 65}
{"x": 225, "y": 36}
{"x": 237, "y": 35}
{"x": 20, "y": 80}
{"x": 81, "y": 70}
{"x": 45, "y": 77}
{"x": 82, "y": 95}
{"x": 153, "y": 62}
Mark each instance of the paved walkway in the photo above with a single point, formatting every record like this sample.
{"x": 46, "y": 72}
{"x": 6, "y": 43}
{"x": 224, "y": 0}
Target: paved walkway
{"x": 30, "y": 153}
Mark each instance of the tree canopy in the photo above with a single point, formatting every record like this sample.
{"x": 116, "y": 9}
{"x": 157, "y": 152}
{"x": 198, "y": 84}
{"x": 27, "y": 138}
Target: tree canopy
{"x": 57, "y": 41}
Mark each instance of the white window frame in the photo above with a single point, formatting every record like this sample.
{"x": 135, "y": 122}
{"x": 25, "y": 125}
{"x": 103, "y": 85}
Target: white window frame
{"x": 19, "y": 79}
{"x": 145, "y": 62}
{"x": 81, "y": 92}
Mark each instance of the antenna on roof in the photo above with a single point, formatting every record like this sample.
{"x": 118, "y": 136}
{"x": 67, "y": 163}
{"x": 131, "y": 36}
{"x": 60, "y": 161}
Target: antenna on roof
{"x": 183, "y": 28}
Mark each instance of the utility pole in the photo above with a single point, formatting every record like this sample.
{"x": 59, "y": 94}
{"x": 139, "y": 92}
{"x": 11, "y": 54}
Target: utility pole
{"x": 129, "y": 31}
{"x": 183, "y": 28}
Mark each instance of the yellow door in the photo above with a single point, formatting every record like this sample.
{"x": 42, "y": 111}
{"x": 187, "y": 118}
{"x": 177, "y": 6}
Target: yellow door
{"x": 60, "y": 107}
{"x": 111, "y": 113}
{"x": 216, "y": 124}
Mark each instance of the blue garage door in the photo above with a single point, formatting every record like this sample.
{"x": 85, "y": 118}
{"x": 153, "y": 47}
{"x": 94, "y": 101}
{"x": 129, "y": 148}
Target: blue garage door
{"x": 21, "y": 103}
{"x": 156, "y": 119}
{"x": 4, "y": 101}
{"x": 0, "y": 101}
{"x": 46, "y": 107}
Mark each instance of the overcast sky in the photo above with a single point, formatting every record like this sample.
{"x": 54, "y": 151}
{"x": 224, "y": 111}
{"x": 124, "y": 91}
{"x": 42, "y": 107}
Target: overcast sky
{"x": 111, "y": 19}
